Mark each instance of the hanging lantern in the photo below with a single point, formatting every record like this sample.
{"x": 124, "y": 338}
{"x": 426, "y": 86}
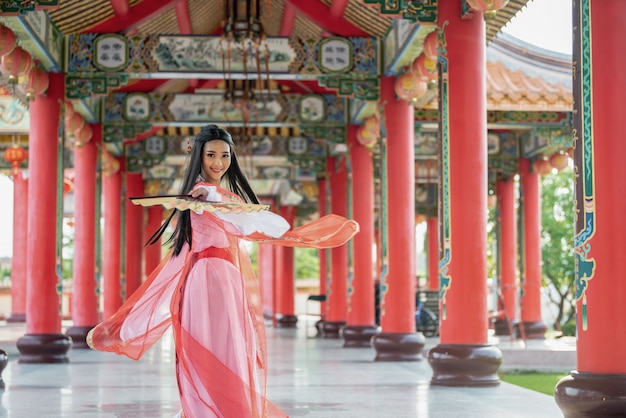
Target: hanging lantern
{"x": 110, "y": 164}
{"x": 559, "y": 160}
{"x": 409, "y": 88}
{"x": 7, "y": 40}
{"x": 68, "y": 185}
{"x": 74, "y": 123}
{"x": 69, "y": 109}
{"x": 430, "y": 45}
{"x": 16, "y": 64}
{"x": 15, "y": 155}
{"x": 83, "y": 135}
{"x": 37, "y": 83}
{"x": 488, "y": 7}
{"x": 372, "y": 124}
{"x": 366, "y": 137}
{"x": 424, "y": 68}
{"x": 542, "y": 166}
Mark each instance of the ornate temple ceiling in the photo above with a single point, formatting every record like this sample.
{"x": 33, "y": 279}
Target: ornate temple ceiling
{"x": 511, "y": 86}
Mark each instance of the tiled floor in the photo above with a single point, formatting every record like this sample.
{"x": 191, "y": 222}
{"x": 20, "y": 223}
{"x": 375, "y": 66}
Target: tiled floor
{"x": 309, "y": 377}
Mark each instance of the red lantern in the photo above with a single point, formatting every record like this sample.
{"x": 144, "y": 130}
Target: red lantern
{"x": 16, "y": 63}
{"x": 366, "y": 137}
{"x": 69, "y": 110}
{"x": 372, "y": 124}
{"x": 74, "y": 123}
{"x": 7, "y": 40}
{"x": 430, "y": 45}
{"x": 542, "y": 166}
{"x": 37, "y": 83}
{"x": 424, "y": 68}
{"x": 68, "y": 185}
{"x": 559, "y": 160}
{"x": 15, "y": 155}
{"x": 409, "y": 88}
{"x": 83, "y": 135}
{"x": 487, "y": 6}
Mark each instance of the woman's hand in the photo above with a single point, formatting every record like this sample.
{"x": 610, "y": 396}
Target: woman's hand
{"x": 206, "y": 194}
{"x": 200, "y": 193}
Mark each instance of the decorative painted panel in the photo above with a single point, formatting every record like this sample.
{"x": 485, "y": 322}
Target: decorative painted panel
{"x": 214, "y": 108}
{"x": 216, "y": 57}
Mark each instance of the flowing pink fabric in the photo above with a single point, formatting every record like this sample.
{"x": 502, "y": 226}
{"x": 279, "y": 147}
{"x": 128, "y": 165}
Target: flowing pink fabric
{"x": 211, "y": 298}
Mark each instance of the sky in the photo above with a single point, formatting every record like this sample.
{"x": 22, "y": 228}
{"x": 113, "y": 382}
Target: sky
{"x": 545, "y": 23}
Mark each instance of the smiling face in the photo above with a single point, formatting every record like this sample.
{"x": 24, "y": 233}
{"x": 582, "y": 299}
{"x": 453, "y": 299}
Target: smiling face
{"x": 215, "y": 160}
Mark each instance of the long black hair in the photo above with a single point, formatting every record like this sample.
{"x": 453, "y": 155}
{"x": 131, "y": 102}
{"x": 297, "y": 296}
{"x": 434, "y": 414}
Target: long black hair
{"x": 237, "y": 183}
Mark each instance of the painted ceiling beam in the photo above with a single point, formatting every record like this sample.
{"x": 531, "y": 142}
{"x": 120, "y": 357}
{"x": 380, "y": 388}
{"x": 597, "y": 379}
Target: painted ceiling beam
{"x": 182, "y": 17}
{"x": 288, "y": 20}
{"x": 319, "y": 13}
{"x": 137, "y": 14}
{"x": 185, "y": 28}
{"x": 120, "y": 7}
{"x": 338, "y": 7}
{"x": 144, "y": 85}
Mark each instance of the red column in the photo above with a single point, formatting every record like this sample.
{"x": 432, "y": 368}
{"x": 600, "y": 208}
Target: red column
{"x": 432, "y": 225}
{"x": 398, "y": 339}
{"x": 20, "y": 248}
{"x": 463, "y": 357}
{"x": 286, "y": 317}
{"x": 598, "y": 385}
{"x": 507, "y": 223}
{"x": 337, "y": 291}
{"x": 112, "y": 238}
{"x": 360, "y": 325}
{"x": 323, "y": 187}
{"x": 265, "y": 269}
{"x": 530, "y": 303}
{"x": 152, "y": 253}
{"x": 84, "y": 292}
{"x": 43, "y": 342}
{"x": 134, "y": 233}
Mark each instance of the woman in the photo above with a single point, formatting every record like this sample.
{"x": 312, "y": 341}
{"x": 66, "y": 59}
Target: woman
{"x": 205, "y": 288}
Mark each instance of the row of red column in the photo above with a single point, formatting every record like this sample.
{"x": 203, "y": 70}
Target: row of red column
{"x": 37, "y": 287}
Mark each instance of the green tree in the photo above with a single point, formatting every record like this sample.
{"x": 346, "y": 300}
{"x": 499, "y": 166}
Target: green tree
{"x": 307, "y": 263}
{"x": 557, "y": 242}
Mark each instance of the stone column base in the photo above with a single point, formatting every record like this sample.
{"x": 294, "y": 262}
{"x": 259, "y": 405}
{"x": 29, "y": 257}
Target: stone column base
{"x": 43, "y": 348}
{"x": 358, "y": 335}
{"x": 398, "y": 346}
{"x": 465, "y": 365}
{"x": 532, "y": 330}
{"x": 4, "y": 360}
{"x": 16, "y": 317}
{"x": 79, "y": 336}
{"x": 503, "y": 327}
{"x": 582, "y": 395}
{"x": 286, "y": 321}
{"x": 330, "y": 329}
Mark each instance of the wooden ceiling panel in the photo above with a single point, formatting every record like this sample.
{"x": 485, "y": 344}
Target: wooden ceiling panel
{"x": 74, "y": 16}
{"x": 206, "y": 16}
{"x": 164, "y": 23}
{"x": 366, "y": 18}
{"x": 494, "y": 25}
{"x": 272, "y": 17}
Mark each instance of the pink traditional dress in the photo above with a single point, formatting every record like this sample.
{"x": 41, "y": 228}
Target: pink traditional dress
{"x": 210, "y": 296}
